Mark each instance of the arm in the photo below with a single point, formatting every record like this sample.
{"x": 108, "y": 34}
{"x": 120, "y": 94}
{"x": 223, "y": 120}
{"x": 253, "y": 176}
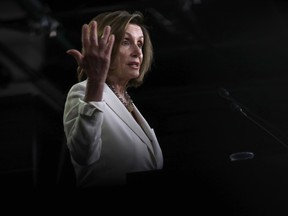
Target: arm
{"x": 83, "y": 114}
{"x": 83, "y": 126}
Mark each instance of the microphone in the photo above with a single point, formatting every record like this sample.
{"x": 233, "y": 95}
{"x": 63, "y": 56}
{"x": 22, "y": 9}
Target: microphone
{"x": 236, "y": 106}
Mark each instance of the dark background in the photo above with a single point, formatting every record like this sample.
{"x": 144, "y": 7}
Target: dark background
{"x": 201, "y": 47}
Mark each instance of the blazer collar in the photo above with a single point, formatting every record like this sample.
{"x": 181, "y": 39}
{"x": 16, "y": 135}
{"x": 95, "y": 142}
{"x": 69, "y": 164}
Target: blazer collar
{"x": 118, "y": 107}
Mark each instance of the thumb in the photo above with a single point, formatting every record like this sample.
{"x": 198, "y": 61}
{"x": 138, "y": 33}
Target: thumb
{"x": 76, "y": 54}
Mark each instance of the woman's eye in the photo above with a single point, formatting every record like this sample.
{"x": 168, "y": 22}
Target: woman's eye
{"x": 125, "y": 42}
{"x": 128, "y": 43}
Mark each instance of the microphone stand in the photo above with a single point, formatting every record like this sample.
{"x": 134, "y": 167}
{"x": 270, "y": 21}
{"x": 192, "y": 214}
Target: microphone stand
{"x": 225, "y": 94}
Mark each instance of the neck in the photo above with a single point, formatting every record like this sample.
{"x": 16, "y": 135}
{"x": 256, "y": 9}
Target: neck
{"x": 117, "y": 88}
{"x": 119, "y": 85}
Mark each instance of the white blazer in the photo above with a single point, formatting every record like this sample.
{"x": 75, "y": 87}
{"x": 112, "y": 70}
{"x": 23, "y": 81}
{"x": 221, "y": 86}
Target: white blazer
{"x": 105, "y": 141}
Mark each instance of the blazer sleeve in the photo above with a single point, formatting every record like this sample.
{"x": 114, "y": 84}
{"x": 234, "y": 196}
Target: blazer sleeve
{"x": 82, "y": 126}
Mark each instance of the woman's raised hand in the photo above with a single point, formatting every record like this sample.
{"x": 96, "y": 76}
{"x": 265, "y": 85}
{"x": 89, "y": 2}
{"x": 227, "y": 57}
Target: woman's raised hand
{"x": 96, "y": 52}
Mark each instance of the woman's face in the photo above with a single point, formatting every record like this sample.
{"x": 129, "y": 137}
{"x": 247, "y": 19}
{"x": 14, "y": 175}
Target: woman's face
{"x": 129, "y": 59}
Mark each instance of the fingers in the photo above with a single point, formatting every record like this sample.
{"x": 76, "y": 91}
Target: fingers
{"x": 93, "y": 48}
{"x": 110, "y": 44}
{"x": 89, "y": 35}
{"x": 85, "y": 37}
{"x": 94, "y": 33}
{"x": 106, "y": 34}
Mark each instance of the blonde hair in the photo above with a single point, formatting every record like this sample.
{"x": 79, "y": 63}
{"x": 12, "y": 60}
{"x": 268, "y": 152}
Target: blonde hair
{"x": 118, "y": 20}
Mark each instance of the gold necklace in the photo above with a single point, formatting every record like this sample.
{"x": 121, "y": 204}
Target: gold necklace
{"x": 129, "y": 104}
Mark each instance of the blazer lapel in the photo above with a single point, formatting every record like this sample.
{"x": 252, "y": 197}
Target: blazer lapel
{"x": 118, "y": 107}
{"x": 151, "y": 134}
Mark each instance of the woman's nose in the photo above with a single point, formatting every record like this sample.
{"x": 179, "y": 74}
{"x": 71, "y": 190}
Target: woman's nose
{"x": 137, "y": 51}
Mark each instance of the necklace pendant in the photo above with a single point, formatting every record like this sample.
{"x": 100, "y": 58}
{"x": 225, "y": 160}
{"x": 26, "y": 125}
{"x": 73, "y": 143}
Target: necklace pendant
{"x": 130, "y": 108}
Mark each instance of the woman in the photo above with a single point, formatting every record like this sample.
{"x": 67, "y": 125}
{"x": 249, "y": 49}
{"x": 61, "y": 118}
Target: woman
{"x": 106, "y": 134}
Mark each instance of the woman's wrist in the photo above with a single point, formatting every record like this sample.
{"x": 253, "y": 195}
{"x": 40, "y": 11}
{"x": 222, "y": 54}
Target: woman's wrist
{"x": 94, "y": 91}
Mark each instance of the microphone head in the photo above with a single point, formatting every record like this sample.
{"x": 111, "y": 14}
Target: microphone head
{"x": 224, "y": 93}
{"x": 241, "y": 156}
